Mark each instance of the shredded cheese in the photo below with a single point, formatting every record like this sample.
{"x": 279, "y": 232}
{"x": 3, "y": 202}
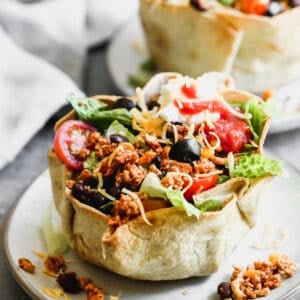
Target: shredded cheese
{"x": 141, "y": 99}
{"x": 40, "y": 254}
{"x": 47, "y": 272}
{"x": 147, "y": 122}
{"x": 56, "y": 293}
{"x": 189, "y": 178}
{"x": 106, "y": 195}
{"x": 139, "y": 203}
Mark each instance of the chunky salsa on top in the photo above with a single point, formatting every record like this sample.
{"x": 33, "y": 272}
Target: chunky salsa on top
{"x": 177, "y": 138}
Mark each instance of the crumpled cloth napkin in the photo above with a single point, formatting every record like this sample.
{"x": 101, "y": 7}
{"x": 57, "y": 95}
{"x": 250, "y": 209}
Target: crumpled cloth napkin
{"x": 42, "y": 51}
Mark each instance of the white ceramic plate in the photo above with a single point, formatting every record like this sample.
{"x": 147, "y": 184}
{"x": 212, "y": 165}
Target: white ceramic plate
{"x": 22, "y": 236}
{"x": 128, "y": 50}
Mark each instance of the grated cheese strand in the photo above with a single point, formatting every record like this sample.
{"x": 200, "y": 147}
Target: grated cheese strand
{"x": 190, "y": 179}
{"x": 56, "y": 293}
{"x": 207, "y": 143}
{"x": 105, "y": 194}
{"x": 208, "y": 174}
{"x": 139, "y": 203}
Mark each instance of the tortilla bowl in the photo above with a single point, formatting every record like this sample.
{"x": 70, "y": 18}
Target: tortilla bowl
{"x": 174, "y": 246}
{"x": 259, "y": 52}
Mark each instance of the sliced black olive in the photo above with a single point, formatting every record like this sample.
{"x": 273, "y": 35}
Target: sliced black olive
{"x": 274, "y": 9}
{"x": 224, "y": 290}
{"x": 294, "y": 3}
{"x": 186, "y": 150}
{"x": 118, "y": 138}
{"x": 124, "y": 103}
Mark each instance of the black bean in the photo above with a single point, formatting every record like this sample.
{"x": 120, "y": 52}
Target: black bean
{"x": 118, "y": 138}
{"x": 108, "y": 182}
{"x": 124, "y": 103}
{"x": 224, "y": 290}
{"x": 106, "y": 209}
{"x": 69, "y": 282}
{"x": 115, "y": 191}
{"x": 92, "y": 182}
{"x": 97, "y": 200}
{"x": 80, "y": 193}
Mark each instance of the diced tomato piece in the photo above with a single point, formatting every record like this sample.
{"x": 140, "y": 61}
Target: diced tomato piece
{"x": 201, "y": 184}
{"x": 69, "y": 139}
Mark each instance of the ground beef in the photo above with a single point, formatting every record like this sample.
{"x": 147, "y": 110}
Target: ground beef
{"x": 124, "y": 210}
{"x": 203, "y": 165}
{"x": 26, "y": 265}
{"x": 131, "y": 177}
{"x": 169, "y": 165}
{"x": 55, "y": 264}
{"x": 176, "y": 181}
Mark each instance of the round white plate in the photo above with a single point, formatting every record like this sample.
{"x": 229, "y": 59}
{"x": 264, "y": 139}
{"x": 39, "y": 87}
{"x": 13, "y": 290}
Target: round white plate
{"x": 128, "y": 50}
{"x": 22, "y": 236}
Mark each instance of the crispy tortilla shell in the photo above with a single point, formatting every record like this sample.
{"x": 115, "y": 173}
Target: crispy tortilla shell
{"x": 259, "y": 52}
{"x": 175, "y": 246}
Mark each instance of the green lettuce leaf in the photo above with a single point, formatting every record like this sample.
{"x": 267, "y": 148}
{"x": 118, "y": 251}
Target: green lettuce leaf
{"x": 95, "y": 112}
{"x": 211, "y": 205}
{"x": 52, "y": 234}
{"x": 152, "y": 186}
{"x": 117, "y": 128}
{"x": 258, "y": 113}
{"x": 256, "y": 165}
{"x": 91, "y": 162}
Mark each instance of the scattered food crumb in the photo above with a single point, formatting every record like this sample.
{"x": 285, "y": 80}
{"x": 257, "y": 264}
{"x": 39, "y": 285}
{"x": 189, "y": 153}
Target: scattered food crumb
{"x": 258, "y": 279}
{"x": 184, "y": 293}
{"x": 26, "y": 265}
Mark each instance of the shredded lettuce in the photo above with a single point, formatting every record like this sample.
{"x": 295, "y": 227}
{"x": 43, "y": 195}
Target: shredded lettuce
{"x": 222, "y": 179}
{"x": 117, "y": 128}
{"x": 96, "y": 113}
{"x": 211, "y": 205}
{"x": 153, "y": 187}
{"x": 258, "y": 116}
{"x": 52, "y": 233}
{"x": 256, "y": 165}
{"x": 91, "y": 162}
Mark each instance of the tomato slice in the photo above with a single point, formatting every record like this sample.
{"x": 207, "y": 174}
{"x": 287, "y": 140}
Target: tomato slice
{"x": 258, "y": 7}
{"x": 201, "y": 184}
{"x": 69, "y": 139}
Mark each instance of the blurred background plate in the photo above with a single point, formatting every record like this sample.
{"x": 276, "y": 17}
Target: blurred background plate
{"x": 128, "y": 51}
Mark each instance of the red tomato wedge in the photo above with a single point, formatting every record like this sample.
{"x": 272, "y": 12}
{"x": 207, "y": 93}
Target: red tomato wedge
{"x": 69, "y": 139}
{"x": 201, "y": 184}
{"x": 258, "y": 7}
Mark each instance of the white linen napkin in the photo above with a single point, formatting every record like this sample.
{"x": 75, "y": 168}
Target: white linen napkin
{"x": 43, "y": 46}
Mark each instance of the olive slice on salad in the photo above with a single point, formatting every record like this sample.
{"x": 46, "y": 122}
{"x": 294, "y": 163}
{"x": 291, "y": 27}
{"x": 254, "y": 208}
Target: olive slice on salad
{"x": 124, "y": 103}
{"x": 186, "y": 150}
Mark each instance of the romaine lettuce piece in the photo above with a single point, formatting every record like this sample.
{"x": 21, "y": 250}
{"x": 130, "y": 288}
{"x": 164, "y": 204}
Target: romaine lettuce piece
{"x": 117, "y": 128}
{"x": 152, "y": 186}
{"x": 96, "y": 113}
{"x": 256, "y": 165}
